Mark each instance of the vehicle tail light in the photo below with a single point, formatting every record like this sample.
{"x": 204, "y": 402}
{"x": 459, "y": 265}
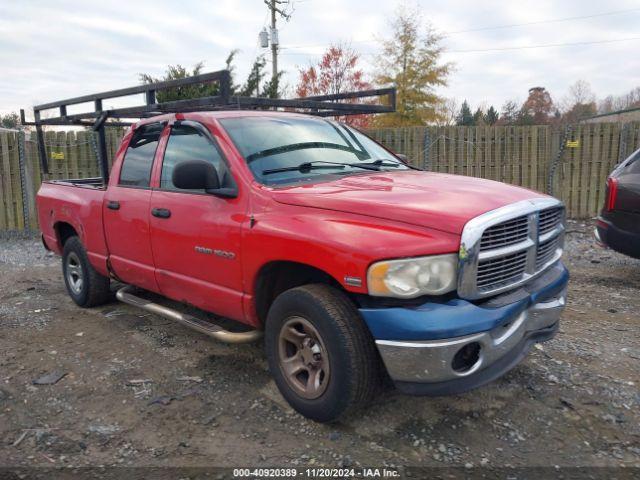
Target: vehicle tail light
{"x": 612, "y": 190}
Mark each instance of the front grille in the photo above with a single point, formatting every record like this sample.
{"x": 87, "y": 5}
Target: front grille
{"x": 501, "y": 270}
{"x": 545, "y": 251}
{"x": 549, "y": 219}
{"x": 505, "y": 233}
{"x": 509, "y": 246}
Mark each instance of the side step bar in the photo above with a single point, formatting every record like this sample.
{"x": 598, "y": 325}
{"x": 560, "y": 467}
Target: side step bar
{"x": 210, "y": 329}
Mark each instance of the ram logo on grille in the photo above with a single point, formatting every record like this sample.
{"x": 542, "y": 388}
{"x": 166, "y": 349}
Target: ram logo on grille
{"x": 509, "y": 246}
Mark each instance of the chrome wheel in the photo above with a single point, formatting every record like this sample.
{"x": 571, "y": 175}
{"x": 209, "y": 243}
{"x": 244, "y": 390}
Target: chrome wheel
{"x": 73, "y": 269}
{"x": 303, "y": 358}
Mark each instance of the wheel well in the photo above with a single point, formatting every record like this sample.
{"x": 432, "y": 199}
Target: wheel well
{"x": 64, "y": 231}
{"x": 277, "y": 277}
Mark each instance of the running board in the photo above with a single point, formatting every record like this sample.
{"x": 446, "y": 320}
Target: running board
{"x": 202, "y": 326}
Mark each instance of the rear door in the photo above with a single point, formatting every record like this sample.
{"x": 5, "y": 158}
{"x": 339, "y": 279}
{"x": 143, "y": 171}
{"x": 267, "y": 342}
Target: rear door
{"x": 628, "y": 197}
{"x": 195, "y": 236}
{"x": 126, "y": 210}
{"x": 629, "y": 185}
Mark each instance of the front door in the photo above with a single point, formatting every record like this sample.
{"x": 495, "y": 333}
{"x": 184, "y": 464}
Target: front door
{"x": 195, "y": 236}
{"x": 126, "y": 211}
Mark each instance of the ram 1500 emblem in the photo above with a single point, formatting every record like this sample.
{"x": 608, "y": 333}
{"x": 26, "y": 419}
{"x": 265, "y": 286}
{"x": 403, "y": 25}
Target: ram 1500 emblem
{"x": 219, "y": 253}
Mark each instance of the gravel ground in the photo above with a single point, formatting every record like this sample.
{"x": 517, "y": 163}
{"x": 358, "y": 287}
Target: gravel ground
{"x": 139, "y": 390}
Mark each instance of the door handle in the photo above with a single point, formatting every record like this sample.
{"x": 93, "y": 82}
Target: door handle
{"x": 113, "y": 205}
{"x": 161, "y": 212}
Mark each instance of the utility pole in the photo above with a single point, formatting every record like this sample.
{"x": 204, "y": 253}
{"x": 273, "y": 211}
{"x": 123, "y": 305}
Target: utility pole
{"x": 272, "y": 36}
{"x": 274, "y": 45}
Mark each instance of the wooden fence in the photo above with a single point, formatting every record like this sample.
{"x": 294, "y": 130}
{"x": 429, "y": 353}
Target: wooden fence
{"x": 518, "y": 155}
{"x": 583, "y": 156}
{"x": 70, "y": 154}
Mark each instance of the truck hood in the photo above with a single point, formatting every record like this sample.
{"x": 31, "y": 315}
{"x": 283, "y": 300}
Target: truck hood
{"x": 434, "y": 200}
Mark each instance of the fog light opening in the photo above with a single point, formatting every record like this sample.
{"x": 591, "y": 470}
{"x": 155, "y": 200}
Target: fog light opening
{"x": 466, "y": 358}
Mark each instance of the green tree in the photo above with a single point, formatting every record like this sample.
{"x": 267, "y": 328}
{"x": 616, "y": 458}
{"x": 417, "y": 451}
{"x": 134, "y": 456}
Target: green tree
{"x": 492, "y": 116}
{"x": 251, "y": 88}
{"x": 410, "y": 60}
{"x": 478, "y": 117}
{"x": 465, "y": 117}
{"x": 272, "y": 88}
{"x": 175, "y": 72}
{"x": 10, "y": 120}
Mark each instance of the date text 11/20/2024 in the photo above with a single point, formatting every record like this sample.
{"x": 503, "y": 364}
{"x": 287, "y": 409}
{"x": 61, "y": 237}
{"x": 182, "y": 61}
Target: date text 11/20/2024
{"x": 316, "y": 473}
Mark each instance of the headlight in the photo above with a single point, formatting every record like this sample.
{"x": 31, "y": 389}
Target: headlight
{"x": 413, "y": 277}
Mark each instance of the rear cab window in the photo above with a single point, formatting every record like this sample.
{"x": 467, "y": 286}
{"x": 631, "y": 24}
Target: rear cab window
{"x": 138, "y": 159}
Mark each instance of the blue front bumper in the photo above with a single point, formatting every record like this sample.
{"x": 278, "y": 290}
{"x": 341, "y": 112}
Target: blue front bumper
{"x": 455, "y": 318}
{"x": 422, "y": 346}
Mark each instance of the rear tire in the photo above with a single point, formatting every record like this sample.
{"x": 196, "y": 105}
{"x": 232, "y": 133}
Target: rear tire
{"x": 320, "y": 352}
{"x": 85, "y": 286}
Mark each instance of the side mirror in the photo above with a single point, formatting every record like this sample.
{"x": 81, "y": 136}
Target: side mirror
{"x": 195, "y": 175}
{"x": 403, "y": 158}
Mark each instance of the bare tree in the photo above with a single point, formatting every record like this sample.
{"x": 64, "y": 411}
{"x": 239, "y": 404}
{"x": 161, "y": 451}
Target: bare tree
{"x": 447, "y": 112}
{"x": 579, "y": 93}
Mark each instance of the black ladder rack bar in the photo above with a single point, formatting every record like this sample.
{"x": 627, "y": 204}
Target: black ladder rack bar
{"x": 98, "y": 118}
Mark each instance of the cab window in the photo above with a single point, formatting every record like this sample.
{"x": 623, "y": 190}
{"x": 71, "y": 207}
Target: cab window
{"x": 187, "y": 143}
{"x": 138, "y": 159}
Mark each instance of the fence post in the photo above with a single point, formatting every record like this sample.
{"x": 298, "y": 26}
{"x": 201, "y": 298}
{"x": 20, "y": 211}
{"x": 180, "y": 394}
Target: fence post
{"x": 622, "y": 144}
{"x": 554, "y": 163}
{"x": 426, "y": 150}
{"x": 22, "y": 161}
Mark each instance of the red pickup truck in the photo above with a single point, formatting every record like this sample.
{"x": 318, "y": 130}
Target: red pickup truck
{"x": 356, "y": 266}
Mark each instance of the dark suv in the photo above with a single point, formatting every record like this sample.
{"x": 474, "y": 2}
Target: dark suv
{"x": 618, "y": 225}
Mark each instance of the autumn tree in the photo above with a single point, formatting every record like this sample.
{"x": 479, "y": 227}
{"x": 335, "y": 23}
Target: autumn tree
{"x": 537, "y": 108}
{"x": 336, "y": 72}
{"x": 411, "y": 60}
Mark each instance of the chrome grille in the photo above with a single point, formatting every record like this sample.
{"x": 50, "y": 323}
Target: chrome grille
{"x": 505, "y": 233}
{"x": 549, "y": 219}
{"x": 509, "y": 246}
{"x": 545, "y": 251}
{"x": 501, "y": 270}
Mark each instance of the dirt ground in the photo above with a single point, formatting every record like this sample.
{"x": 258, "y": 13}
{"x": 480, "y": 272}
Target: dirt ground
{"x": 139, "y": 390}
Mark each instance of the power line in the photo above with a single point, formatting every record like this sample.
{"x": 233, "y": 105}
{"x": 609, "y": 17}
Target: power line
{"x": 539, "y": 22}
{"x": 546, "y": 45}
{"x": 499, "y": 49}
{"x": 495, "y": 27}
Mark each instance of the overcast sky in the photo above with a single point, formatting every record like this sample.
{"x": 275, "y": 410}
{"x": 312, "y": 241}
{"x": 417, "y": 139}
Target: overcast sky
{"x": 51, "y": 50}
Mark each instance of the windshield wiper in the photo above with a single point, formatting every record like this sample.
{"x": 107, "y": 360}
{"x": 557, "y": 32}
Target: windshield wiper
{"x": 308, "y": 166}
{"x": 305, "y": 167}
{"x": 301, "y": 146}
{"x": 381, "y": 163}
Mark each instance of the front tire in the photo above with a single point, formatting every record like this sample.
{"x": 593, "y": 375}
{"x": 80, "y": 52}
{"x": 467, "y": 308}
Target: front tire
{"x": 85, "y": 286}
{"x": 320, "y": 352}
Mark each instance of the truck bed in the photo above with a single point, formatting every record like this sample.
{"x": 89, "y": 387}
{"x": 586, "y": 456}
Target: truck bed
{"x": 74, "y": 206}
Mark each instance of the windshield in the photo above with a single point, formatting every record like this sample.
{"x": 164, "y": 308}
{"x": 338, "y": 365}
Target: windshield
{"x": 281, "y": 150}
